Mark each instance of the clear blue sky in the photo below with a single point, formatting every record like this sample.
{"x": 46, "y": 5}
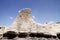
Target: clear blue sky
{"x": 42, "y": 10}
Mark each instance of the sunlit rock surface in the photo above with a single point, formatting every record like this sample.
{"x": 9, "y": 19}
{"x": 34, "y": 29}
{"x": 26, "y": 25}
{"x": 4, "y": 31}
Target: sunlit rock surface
{"x": 24, "y": 22}
{"x": 24, "y": 25}
{"x": 2, "y": 29}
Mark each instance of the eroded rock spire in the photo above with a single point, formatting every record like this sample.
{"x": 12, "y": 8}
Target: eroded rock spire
{"x": 24, "y": 22}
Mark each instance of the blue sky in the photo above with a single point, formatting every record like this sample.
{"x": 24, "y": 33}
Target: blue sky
{"x": 42, "y": 10}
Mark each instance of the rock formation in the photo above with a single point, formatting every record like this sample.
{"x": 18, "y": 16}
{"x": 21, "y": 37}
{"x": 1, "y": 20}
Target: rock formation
{"x": 24, "y": 22}
{"x": 25, "y": 26}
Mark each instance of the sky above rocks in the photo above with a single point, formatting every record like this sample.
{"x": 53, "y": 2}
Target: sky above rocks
{"x": 42, "y": 10}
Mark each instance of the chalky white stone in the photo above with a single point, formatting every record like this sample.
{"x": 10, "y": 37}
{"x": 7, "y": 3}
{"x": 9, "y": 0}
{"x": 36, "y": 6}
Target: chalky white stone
{"x": 24, "y": 22}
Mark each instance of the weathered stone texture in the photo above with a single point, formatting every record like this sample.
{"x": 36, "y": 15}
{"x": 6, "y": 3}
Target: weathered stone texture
{"x": 24, "y": 23}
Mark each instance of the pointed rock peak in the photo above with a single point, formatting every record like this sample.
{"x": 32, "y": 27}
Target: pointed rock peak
{"x": 25, "y": 10}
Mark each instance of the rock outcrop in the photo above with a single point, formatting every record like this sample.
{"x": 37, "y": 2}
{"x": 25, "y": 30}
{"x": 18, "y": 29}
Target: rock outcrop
{"x": 24, "y": 22}
{"x": 24, "y": 27}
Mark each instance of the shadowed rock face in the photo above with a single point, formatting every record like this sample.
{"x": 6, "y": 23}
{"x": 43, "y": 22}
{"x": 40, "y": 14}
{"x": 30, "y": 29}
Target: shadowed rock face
{"x": 58, "y": 35}
{"x": 22, "y": 35}
{"x": 40, "y": 35}
{"x": 49, "y": 36}
{"x": 32, "y": 34}
{"x": 10, "y": 34}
